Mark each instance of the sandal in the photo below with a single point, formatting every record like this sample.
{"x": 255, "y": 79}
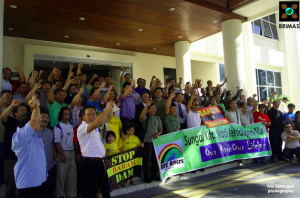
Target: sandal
{"x": 126, "y": 184}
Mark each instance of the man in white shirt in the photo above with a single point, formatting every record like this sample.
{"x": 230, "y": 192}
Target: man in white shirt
{"x": 291, "y": 139}
{"x": 233, "y": 114}
{"x": 193, "y": 117}
{"x": 283, "y": 105}
{"x": 93, "y": 170}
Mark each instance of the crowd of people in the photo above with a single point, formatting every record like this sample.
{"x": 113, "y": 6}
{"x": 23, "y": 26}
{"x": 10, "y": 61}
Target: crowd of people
{"x": 55, "y": 133}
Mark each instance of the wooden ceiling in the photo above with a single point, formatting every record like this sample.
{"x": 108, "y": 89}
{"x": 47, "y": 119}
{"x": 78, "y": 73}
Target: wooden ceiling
{"x": 108, "y": 22}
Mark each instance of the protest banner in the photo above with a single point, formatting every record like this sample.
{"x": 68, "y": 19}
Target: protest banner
{"x": 201, "y": 147}
{"x": 123, "y": 166}
{"x": 212, "y": 116}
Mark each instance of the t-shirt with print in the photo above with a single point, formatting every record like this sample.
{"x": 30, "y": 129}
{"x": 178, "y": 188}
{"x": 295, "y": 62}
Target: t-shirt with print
{"x": 261, "y": 117}
{"x": 288, "y": 117}
{"x": 130, "y": 142}
{"x": 111, "y": 149}
{"x": 64, "y": 134}
{"x": 114, "y": 125}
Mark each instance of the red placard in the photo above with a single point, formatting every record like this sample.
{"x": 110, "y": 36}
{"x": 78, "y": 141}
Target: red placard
{"x": 212, "y": 116}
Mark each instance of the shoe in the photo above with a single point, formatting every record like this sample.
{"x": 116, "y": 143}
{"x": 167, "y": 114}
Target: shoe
{"x": 147, "y": 180}
{"x": 126, "y": 184}
{"x": 290, "y": 160}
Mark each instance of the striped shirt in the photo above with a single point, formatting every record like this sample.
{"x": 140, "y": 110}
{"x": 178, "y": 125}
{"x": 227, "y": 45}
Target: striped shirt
{"x": 172, "y": 123}
{"x": 75, "y": 115}
{"x": 90, "y": 143}
{"x": 154, "y": 125}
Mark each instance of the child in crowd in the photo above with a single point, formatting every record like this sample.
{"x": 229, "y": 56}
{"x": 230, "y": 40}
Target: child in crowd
{"x": 131, "y": 142}
{"x": 111, "y": 147}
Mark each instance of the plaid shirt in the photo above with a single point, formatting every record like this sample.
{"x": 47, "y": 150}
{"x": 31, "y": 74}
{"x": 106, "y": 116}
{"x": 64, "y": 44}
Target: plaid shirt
{"x": 75, "y": 115}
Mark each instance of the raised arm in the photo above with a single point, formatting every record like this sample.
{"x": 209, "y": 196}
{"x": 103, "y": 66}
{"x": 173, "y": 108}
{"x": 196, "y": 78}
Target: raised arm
{"x": 67, "y": 84}
{"x": 102, "y": 118}
{"x": 76, "y": 98}
{"x": 105, "y": 98}
{"x": 50, "y": 98}
{"x": 152, "y": 81}
{"x": 8, "y": 110}
{"x": 244, "y": 108}
{"x": 143, "y": 113}
{"x": 270, "y": 101}
{"x": 91, "y": 80}
{"x": 34, "y": 74}
{"x": 221, "y": 85}
{"x": 80, "y": 65}
{"x": 168, "y": 103}
{"x": 2, "y": 100}
{"x": 189, "y": 104}
{"x": 32, "y": 92}
{"x": 35, "y": 116}
{"x": 70, "y": 73}
{"x": 179, "y": 83}
{"x": 122, "y": 74}
{"x": 22, "y": 77}
{"x": 128, "y": 91}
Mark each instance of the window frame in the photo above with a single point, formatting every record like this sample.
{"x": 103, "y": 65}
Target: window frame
{"x": 262, "y": 27}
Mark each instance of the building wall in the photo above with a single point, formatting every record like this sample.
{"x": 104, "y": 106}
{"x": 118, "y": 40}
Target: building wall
{"x": 20, "y": 51}
{"x": 205, "y": 71}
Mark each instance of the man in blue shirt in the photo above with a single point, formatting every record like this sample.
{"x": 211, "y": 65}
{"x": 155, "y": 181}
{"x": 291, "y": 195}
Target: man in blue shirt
{"x": 30, "y": 171}
{"x": 290, "y": 115}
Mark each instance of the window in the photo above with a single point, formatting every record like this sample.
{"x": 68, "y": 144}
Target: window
{"x": 169, "y": 73}
{"x": 266, "y": 27}
{"x": 267, "y": 82}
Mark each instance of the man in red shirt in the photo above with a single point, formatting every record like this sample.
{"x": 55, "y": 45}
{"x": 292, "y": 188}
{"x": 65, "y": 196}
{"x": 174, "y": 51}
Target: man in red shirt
{"x": 261, "y": 116}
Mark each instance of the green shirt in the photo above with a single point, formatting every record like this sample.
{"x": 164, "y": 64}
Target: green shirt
{"x": 221, "y": 105}
{"x": 154, "y": 125}
{"x": 54, "y": 111}
{"x": 172, "y": 123}
{"x": 160, "y": 110}
{"x": 88, "y": 87}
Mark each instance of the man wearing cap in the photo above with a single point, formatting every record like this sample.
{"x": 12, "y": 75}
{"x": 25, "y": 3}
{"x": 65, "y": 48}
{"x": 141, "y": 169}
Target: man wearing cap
{"x": 93, "y": 171}
{"x": 283, "y": 107}
{"x": 290, "y": 115}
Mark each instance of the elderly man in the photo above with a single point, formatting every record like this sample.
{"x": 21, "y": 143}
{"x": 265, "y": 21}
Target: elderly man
{"x": 292, "y": 145}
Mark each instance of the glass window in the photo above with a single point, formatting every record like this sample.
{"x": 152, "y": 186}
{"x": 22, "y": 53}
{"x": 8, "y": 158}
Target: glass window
{"x": 270, "y": 77}
{"x": 262, "y": 77}
{"x": 268, "y": 82}
{"x": 267, "y": 29}
{"x": 222, "y": 72}
{"x": 272, "y": 18}
{"x": 257, "y": 27}
{"x": 277, "y": 79}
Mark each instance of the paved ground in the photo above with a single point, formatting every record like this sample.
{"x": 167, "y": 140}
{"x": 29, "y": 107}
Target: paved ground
{"x": 279, "y": 179}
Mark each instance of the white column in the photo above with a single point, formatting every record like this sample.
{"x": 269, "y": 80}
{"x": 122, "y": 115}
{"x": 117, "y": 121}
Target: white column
{"x": 249, "y": 59}
{"x": 183, "y": 61}
{"x": 1, "y": 39}
{"x": 234, "y": 58}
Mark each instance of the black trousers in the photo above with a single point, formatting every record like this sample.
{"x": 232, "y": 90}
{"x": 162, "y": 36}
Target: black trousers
{"x": 93, "y": 176}
{"x": 276, "y": 143}
{"x": 48, "y": 187}
{"x": 149, "y": 156}
{"x": 34, "y": 192}
{"x": 288, "y": 153}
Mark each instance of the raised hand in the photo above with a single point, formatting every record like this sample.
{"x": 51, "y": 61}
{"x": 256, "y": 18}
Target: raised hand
{"x": 35, "y": 73}
{"x": 37, "y": 85}
{"x": 148, "y": 103}
{"x": 243, "y": 97}
{"x": 71, "y": 66}
{"x": 16, "y": 103}
{"x": 153, "y": 77}
{"x": 81, "y": 90}
{"x": 180, "y": 79}
{"x": 168, "y": 85}
{"x": 172, "y": 95}
{"x": 132, "y": 83}
{"x": 241, "y": 90}
{"x": 72, "y": 81}
{"x": 17, "y": 68}
{"x": 274, "y": 93}
{"x": 41, "y": 72}
{"x": 225, "y": 79}
{"x": 95, "y": 76}
{"x": 254, "y": 96}
{"x": 103, "y": 84}
{"x": 110, "y": 87}
{"x": 80, "y": 65}
{"x": 53, "y": 87}
{"x": 124, "y": 69}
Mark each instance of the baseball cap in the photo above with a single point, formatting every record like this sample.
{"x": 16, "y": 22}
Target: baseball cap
{"x": 285, "y": 98}
{"x": 261, "y": 106}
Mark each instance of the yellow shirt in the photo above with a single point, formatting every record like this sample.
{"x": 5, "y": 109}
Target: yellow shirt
{"x": 130, "y": 142}
{"x": 111, "y": 149}
{"x": 115, "y": 125}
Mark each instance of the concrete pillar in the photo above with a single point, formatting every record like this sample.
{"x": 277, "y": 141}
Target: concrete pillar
{"x": 1, "y": 39}
{"x": 183, "y": 62}
{"x": 234, "y": 58}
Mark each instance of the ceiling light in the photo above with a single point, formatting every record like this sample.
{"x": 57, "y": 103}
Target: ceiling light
{"x": 172, "y": 9}
{"x": 81, "y": 18}
{"x": 53, "y": 61}
{"x": 13, "y": 6}
{"x": 66, "y": 36}
{"x": 154, "y": 48}
{"x": 215, "y": 21}
{"x": 10, "y": 29}
{"x": 118, "y": 43}
{"x": 140, "y": 30}
{"x": 180, "y": 36}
